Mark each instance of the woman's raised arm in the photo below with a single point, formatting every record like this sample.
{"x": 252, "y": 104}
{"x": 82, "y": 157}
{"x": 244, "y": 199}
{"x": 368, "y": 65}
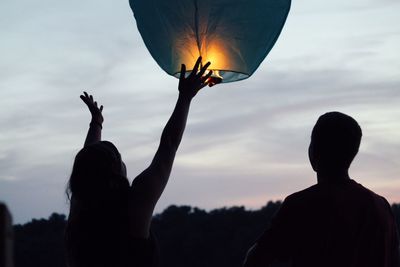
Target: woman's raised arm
{"x": 95, "y": 126}
{"x": 149, "y": 185}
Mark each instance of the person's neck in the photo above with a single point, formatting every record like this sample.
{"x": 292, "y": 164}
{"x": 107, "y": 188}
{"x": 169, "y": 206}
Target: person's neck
{"x": 333, "y": 176}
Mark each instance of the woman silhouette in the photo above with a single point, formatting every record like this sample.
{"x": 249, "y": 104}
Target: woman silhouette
{"x": 109, "y": 220}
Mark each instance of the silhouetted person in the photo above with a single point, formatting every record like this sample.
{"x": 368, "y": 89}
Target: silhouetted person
{"x": 109, "y": 220}
{"x": 336, "y": 222}
{"x": 6, "y": 238}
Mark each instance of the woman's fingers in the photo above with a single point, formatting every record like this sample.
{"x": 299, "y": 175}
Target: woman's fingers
{"x": 203, "y": 70}
{"x": 205, "y": 78}
{"x": 196, "y": 67}
{"x": 183, "y": 71}
{"x": 84, "y": 99}
{"x": 89, "y": 101}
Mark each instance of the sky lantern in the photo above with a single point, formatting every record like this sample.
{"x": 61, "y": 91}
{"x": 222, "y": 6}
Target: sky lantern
{"x": 234, "y": 35}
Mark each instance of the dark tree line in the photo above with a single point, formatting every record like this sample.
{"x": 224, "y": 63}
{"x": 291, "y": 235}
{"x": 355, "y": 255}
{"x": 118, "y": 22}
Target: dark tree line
{"x": 187, "y": 236}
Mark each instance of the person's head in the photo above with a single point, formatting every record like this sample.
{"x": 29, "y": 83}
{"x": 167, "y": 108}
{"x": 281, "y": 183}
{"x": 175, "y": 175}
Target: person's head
{"x": 335, "y": 141}
{"x": 98, "y": 174}
{"x": 98, "y": 189}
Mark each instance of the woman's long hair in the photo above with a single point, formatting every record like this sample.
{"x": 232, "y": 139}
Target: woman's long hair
{"x": 98, "y": 219}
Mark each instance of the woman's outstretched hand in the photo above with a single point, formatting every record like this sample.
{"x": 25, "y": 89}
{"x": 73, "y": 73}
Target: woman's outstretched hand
{"x": 196, "y": 80}
{"x": 97, "y": 116}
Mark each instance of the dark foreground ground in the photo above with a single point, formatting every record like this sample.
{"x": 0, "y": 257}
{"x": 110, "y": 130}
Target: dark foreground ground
{"x": 187, "y": 236}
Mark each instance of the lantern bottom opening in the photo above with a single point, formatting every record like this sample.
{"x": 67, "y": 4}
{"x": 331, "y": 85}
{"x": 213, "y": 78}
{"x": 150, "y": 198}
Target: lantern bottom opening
{"x": 227, "y": 75}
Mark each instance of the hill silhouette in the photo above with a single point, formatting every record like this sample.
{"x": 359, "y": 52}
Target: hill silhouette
{"x": 187, "y": 236}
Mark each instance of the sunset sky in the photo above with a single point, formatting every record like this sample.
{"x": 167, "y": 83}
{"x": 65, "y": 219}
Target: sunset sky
{"x": 245, "y": 142}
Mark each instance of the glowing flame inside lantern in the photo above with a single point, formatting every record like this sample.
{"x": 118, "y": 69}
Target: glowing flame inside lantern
{"x": 214, "y": 52}
{"x": 210, "y": 52}
{"x": 215, "y": 78}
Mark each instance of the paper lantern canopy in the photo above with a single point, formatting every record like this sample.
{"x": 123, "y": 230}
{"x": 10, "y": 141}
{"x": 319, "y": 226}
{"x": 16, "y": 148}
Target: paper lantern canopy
{"x": 234, "y": 35}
